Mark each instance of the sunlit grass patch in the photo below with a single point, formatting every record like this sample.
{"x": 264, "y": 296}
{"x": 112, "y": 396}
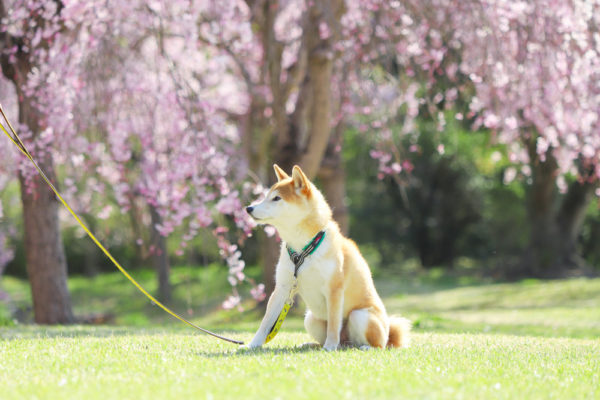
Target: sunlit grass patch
{"x": 124, "y": 363}
{"x": 465, "y": 345}
{"x": 563, "y": 308}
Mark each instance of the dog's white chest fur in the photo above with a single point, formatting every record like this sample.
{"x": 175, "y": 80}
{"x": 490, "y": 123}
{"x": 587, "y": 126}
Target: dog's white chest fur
{"x": 314, "y": 276}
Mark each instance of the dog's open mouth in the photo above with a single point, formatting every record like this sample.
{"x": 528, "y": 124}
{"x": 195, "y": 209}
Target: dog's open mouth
{"x": 255, "y": 217}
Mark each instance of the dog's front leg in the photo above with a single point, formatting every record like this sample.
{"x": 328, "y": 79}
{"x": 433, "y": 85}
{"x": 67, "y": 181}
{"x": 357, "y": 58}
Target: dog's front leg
{"x": 335, "y": 305}
{"x": 274, "y": 307}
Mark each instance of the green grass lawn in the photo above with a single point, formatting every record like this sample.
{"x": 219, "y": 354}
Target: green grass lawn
{"x": 136, "y": 363}
{"x": 474, "y": 340}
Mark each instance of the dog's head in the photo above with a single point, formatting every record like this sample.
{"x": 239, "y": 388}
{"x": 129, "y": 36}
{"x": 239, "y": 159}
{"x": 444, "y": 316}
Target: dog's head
{"x": 287, "y": 201}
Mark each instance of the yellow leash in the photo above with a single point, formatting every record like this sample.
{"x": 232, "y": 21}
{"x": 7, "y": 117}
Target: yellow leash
{"x": 17, "y": 141}
{"x": 284, "y": 312}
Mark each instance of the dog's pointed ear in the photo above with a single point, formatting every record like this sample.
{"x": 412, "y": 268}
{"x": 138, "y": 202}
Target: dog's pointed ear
{"x": 279, "y": 173}
{"x": 301, "y": 182}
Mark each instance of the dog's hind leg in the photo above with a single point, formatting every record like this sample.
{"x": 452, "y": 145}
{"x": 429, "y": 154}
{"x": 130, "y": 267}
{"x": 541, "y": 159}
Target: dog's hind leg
{"x": 367, "y": 328}
{"x": 317, "y": 328}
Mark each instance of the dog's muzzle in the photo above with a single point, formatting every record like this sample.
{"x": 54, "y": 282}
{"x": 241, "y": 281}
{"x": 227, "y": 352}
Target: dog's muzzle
{"x": 249, "y": 209}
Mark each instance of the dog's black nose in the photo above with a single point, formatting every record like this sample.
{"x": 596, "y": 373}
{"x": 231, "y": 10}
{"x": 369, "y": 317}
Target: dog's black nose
{"x": 249, "y": 209}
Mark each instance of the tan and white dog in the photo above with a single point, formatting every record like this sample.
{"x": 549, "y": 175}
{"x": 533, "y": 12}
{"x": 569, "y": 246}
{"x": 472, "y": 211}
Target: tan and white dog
{"x": 335, "y": 282}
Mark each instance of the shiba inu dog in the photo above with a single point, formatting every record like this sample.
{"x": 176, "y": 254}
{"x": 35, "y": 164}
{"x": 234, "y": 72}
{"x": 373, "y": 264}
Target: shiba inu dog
{"x": 333, "y": 279}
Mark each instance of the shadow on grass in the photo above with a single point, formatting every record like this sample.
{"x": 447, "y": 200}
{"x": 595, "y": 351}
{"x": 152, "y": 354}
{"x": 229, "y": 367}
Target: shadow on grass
{"x": 299, "y": 349}
{"x": 34, "y": 332}
{"x": 243, "y": 352}
{"x": 70, "y": 332}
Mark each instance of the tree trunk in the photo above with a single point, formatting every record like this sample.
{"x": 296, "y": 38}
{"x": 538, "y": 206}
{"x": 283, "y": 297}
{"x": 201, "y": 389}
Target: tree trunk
{"x": 45, "y": 254}
{"x": 570, "y": 221}
{"x": 555, "y": 223}
{"x": 332, "y": 176}
{"x": 302, "y": 137}
{"x": 541, "y": 205}
{"x": 160, "y": 258}
{"x": 320, "y": 64}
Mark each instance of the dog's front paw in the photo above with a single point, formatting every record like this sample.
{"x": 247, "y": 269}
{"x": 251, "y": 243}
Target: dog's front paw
{"x": 251, "y": 346}
{"x": 330, "y": 345}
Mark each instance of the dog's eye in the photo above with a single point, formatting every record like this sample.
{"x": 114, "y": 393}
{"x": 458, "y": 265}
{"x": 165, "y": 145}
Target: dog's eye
{"x": 276, "y": 198}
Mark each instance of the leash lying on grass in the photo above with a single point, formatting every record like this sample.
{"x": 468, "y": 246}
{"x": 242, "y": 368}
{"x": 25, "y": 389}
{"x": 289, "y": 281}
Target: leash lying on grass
{"x": 17, "y": 141}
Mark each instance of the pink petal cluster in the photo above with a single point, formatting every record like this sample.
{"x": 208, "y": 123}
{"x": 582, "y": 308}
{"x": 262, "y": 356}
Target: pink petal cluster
{"x": 530, "y": 71}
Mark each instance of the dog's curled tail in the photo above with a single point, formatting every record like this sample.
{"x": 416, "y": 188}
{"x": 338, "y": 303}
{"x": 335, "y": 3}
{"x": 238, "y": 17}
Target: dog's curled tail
{"x": 399, "y": 332}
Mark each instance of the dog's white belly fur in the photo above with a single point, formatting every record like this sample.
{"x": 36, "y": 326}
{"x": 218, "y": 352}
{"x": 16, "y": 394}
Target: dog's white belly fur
{"x": 312, "y": 281}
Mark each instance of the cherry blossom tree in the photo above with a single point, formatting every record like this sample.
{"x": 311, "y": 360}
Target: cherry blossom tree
{"x": 170, "y": 147}
{"x": 28, "y": 34}
{"x": 529, "y": 72}
{"x": 125, "y": 121}
{"x": 283, "y": 54}
{"x": 536, "y": 71}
